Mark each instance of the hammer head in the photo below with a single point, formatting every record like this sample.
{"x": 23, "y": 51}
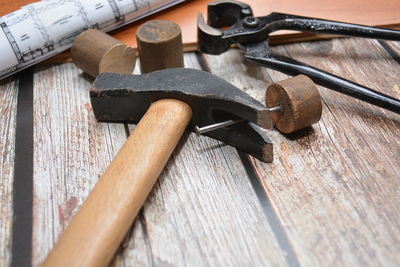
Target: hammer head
{"x": 126, "y": 98}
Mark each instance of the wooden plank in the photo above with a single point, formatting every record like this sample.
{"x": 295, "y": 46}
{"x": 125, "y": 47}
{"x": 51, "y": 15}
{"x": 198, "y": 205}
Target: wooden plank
{"x": 393, "y": 49}
{"x": 352, "y": 189}
{"x": 203, "y": 210}
{"x": 71, "y": 150}
{"x": 396, "y": 47}
{"x": 8, "y": 108}
{"x": 334, "y": 186}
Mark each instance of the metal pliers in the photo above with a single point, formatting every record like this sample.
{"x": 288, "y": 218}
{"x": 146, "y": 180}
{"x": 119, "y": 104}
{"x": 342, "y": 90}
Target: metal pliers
{"x": 251, "y": 36}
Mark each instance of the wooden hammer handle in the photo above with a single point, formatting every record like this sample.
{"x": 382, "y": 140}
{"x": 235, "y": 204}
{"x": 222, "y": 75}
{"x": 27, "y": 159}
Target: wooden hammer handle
{"x": 96, "y": 231}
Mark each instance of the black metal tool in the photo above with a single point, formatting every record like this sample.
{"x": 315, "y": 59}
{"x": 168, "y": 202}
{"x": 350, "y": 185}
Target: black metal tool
{"x": 251, "y": 35}
{"x": 126, "y": 98}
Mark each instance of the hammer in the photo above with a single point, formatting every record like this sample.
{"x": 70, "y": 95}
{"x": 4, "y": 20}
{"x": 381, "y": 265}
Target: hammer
{"x": 163, "y": 103}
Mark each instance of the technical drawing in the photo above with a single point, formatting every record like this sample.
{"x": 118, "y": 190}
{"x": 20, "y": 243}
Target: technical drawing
{"x": 42, "y": 29}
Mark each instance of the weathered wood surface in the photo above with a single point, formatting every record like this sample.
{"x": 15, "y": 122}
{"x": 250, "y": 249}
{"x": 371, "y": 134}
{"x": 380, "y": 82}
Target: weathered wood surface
{"x": 335, "y": 186}
{"x": 394, "y": 49}
{"x": 70, "y": 151}
{"x": 8, "y": 108}
{"x": 333, "y": 189}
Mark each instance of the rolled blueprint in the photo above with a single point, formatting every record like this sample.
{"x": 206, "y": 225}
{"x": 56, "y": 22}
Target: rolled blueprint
{"x": 42, "y": 29}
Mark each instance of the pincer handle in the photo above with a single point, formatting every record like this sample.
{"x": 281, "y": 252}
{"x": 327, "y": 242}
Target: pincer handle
{"x": 96, "y": 231}
{"x": 331, "y": 81}
{"x": 280, "y": 21}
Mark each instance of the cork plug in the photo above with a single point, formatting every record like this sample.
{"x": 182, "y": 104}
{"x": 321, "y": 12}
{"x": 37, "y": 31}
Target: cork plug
{"x": 160, "y": 45}
{"x": 95, "y": 52}
{"x": 300, "y": 103}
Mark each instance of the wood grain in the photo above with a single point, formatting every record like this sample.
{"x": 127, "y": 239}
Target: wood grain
{"x": 10, "y": 6}
{"x": 96, "y": 52}
{"x": 299, "y": 100}
{"x": 335, "y": 186}
{"x": 71, "y": 150}
{"x": 396, "y": 46}
{"x": 98, "y": 228}
{"x": 159, "y": 46}
{"x": 393, "y": 49}
{"x": 8, "y": 108}
{"x": 359, "y": 193}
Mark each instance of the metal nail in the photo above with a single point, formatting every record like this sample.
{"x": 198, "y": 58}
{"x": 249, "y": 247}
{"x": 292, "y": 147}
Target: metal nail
{"x": 201, "y": 130}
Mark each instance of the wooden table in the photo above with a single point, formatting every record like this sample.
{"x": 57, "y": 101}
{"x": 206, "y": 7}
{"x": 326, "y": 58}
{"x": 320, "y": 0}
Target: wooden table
{"x": 331, "y": 197}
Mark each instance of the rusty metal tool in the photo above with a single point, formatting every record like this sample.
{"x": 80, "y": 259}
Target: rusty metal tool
{"x": 125, "y": 98}
{"x": 251, "y": 36}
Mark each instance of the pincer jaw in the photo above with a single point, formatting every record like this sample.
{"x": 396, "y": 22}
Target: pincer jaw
{"x": 221, "y": 13}
{"x": 227, "y": 12}
{"x": 210, "y": 40}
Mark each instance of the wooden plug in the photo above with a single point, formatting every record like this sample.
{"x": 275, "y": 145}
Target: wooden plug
{"x": 300, "y": 103}
{"x": 95, "y": 52}
{"x": 160, "y": 45}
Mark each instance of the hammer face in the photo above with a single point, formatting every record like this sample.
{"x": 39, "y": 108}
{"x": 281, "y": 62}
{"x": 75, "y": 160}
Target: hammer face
{"x": 126, "y": 98}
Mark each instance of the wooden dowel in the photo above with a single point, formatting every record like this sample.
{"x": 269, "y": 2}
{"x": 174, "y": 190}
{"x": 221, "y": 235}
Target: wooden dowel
{"x": 300, "y": 103}
{"x": 96, "y": 231}
{"x": 160, "y": 45}
{"x": 96, "y": 52}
